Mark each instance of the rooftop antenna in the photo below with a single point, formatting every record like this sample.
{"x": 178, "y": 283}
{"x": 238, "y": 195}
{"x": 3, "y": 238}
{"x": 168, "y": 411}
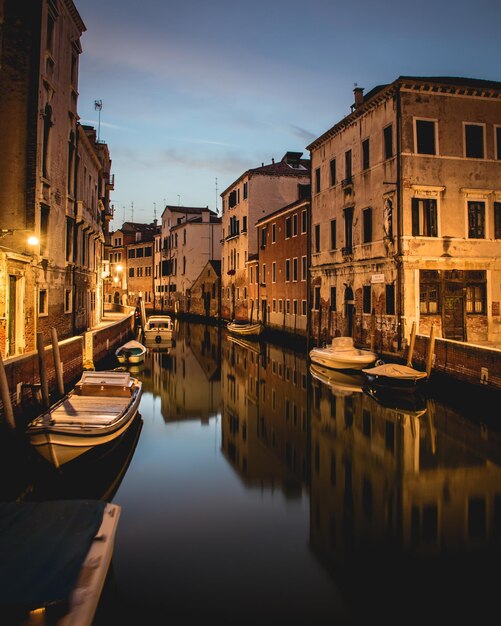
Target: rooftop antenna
{"x": 98, "y": 105}
{"x": 132, "y": 211}
{"x": 154, "y": 210}
{"x": 216, "y": 195}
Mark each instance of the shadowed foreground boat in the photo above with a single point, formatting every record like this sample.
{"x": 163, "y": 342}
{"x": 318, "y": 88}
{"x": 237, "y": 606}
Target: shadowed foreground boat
{"x": 131, "y": 352}
{"x": 98, "y": 410}
{"x": 55, "y": 558}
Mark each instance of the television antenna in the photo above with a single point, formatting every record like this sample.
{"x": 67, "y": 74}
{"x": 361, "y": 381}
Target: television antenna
{"x": 98, "y": 105}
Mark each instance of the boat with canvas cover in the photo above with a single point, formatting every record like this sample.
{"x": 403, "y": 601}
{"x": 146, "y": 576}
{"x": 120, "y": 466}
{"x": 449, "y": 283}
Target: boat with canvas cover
{"x": 395, "y": 376}
{"x": 99, "y": 409}
{"x": 342, "y": 355}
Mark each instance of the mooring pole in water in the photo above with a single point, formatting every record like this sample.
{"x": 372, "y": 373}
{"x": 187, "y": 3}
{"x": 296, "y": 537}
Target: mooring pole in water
{"x": 431, "y": 350}
{"x": 411, "y": 345}
{"x": 58, "y": 366}
{"x": 373, "y": 329}
{"x": 5, "y": 394}
{"x": 43, "y": 370}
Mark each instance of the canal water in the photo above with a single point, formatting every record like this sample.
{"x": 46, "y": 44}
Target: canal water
{"x": 257, "y": 491}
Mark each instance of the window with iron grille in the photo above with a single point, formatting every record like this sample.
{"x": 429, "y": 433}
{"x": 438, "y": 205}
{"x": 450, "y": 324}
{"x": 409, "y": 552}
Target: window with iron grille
{"x": 366, "y": 298}
{"x": 476, "y": 220}
{"x": 390, "y": 299}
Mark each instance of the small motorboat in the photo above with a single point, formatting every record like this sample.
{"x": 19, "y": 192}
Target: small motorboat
{"x": 55, "y": 559}
{"x": 395, "y": 376}
{"x": 245, "y": 329}
{"x": 131, "y": 352}
{"x": 158, "y": 330}
{"x": 100, "y": 408}
{"x": 342, "y": 355}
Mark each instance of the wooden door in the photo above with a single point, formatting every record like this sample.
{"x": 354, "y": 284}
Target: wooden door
{"x": 453, "y": 318}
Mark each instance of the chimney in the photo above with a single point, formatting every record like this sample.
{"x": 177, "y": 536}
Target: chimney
{"x": 273, "y": 161}
{"x": 358, "y": 92}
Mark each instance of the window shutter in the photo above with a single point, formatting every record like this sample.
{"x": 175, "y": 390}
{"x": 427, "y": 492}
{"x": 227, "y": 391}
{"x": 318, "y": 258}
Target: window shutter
{"x": 415, "y": 216}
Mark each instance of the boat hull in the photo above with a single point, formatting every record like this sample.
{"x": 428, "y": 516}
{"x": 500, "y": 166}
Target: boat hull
{"x": 159, "y": 330}
{"x": 245, "y": 330}
{"x": 395, "y": 377}
{"x": 339, "y": 360}
{"x": 78, "y": 424}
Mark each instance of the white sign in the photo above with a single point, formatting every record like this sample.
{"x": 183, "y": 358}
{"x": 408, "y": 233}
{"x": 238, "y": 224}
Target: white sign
{"x": 377, "y": 278}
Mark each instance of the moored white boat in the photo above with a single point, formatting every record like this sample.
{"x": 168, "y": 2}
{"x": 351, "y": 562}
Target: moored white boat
{"x": 245, "y": 329}
{"x": 158, "y": 330}
{"x": 342, "y": 355}
{"x": 131, "y": 352}
{"x": 98, "y": 410}
{"x": 55, "y": 558}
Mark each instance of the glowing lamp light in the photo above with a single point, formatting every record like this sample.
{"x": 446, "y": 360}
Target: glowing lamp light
{"x": 33, "y": 240}
{"x": 115, "y": 280}
{"x": 119, "y": 268}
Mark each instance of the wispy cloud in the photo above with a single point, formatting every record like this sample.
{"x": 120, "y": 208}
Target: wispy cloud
{"x": 105, "y": 124}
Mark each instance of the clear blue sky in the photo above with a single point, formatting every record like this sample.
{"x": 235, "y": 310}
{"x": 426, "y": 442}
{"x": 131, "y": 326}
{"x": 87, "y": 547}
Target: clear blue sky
{"x": 194, "y": 90}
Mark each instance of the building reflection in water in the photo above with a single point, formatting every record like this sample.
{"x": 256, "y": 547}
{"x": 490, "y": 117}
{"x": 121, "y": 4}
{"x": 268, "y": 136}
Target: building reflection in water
{"x": 264, "y": 415}
{"x": 186, "y": 375}
{"x": 413, "y": 482}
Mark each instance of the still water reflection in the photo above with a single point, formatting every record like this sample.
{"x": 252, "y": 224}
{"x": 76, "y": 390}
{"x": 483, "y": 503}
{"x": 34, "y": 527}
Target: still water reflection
{"x": 256, "y": 491}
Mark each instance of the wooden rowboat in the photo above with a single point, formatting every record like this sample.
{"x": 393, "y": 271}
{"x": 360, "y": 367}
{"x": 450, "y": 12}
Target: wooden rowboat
{"x": 99, "y": 409}
{"x": 131, "y": 352}
{"x": 245, "y": 329}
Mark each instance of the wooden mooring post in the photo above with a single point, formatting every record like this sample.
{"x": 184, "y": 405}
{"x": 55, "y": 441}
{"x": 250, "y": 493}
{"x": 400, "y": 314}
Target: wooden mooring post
{"x": 5, "y": 394}
{"x": 42, "y": 368}
{"x": 411, "y": 345}
{"x": 58, "y": 366}
{"x": 431, "y": 350}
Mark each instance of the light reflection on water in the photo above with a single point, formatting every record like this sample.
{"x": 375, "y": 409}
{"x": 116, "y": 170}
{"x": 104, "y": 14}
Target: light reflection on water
{"x": 261, "y": 492}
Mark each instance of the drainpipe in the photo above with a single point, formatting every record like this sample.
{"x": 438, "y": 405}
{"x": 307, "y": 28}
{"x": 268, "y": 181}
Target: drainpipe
{"x": 400, "y": 286}
{"x": 308, "y": 269}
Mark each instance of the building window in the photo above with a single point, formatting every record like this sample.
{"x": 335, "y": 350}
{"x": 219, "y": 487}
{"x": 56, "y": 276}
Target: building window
{"x": 475, "y": 298}
{"x": 316, "y": 299}
{"x": 273, "y": 272}
{"x": 273, "y": 233}
{"x": 294, "y": 307}
{"x": 476, "y": 220}
{"x": 131, "y": 272}
{"x": 44, "y": 229}
{"x": 43, "y": 305}
{"x": 390, "y": 299}
{"x": 317, "y": 180}
{"x": 264, "y": 232}
{"x": 304, "y": 268}
{"x": 288, "y": 228}
{"x": 245, "y": 191}
{"x": 367, "y": 224}
{"x": 131, "y": 253}
{"x": 498, "y": 142}
{"x": 347, "y": 166}
{"x": 148, "y": 251}
{"x": 317, "y": 237}
{"x": 263, "y": 275}
{"x": 366, "y": 299}
{"x": 497, "y": 220}
{"x": 333, "y": 299}
{"x": 429, "y": 292}
{"x": 333, "y": 172}
{"x": 287, "y": 270}
{"x": 388, "y": 141}
{"x": 474, "y": 141}
{"x": 274, "y": 305}
{"x": 140, "y": 251}
{"x": 348, "y": 230}
{"x": 294, "y": 269}
{"x": 280, "y": 306}
{"x": 67, "y": 301}
{"x": 304, "y": 307}
{"x": 333, "y": 235}
{"x": 294, "y": 225}
{"x": 365, "y": 154}
{"x": 425, "y": 137}
{"x": 287, "y": 307}
{"x": 304, "y": 223}
{"x": 424, "y": 217}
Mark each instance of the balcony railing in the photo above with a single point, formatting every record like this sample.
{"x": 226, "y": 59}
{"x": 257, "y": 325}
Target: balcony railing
{"x": 346, "y": 182}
